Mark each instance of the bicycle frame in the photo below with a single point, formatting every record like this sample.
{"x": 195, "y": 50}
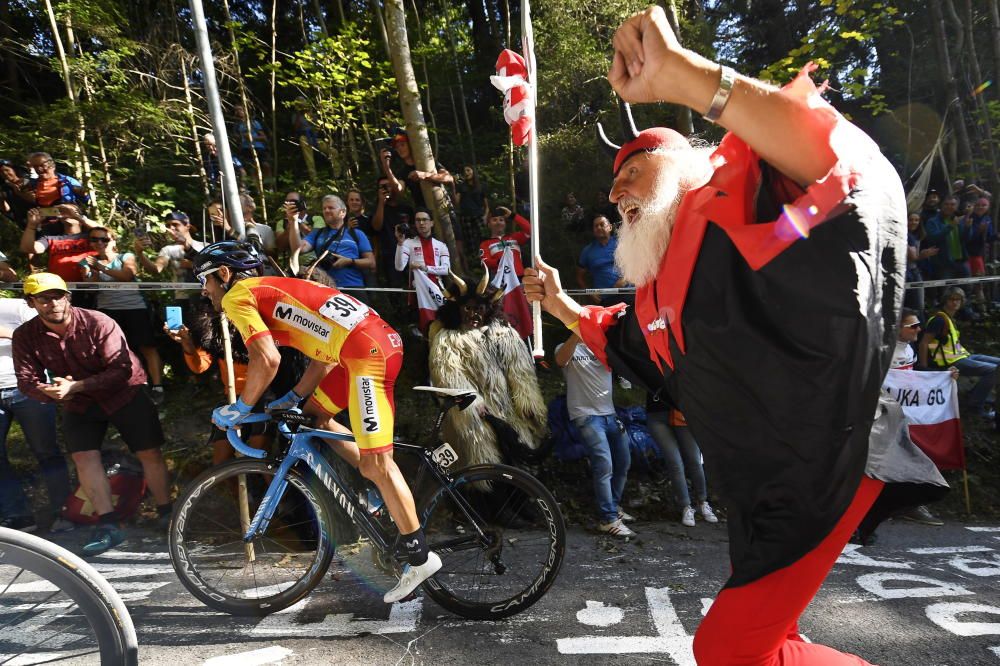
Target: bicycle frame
{"x": 343, "y": 494}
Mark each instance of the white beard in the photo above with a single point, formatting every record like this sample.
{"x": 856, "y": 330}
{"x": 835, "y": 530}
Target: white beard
{"x": 643, "y": 242}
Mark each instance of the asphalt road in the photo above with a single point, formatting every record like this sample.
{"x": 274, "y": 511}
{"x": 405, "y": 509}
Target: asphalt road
{"x": 921, "y": 595}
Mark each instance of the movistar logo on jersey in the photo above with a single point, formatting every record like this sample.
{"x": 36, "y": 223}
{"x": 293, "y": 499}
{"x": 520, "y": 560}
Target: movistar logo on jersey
{"x": 368, "y": 404}
{"x": 304, "y": 320}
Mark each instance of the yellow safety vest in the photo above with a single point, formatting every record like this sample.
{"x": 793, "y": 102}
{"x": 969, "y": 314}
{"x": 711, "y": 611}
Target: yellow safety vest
{"x": 944, "y": 354}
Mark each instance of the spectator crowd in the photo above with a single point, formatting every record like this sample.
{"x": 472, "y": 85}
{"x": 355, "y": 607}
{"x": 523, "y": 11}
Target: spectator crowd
{"x": 99, "y": 355}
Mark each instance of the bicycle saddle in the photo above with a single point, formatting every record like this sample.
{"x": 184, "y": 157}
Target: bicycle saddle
{"x": 461, "y": 398}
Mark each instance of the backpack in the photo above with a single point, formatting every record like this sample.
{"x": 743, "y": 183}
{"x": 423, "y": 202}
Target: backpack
{"x": 128, "y": 487}
{"x": 567, "y": 443}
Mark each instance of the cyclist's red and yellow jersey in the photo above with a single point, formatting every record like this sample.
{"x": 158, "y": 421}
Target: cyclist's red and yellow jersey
{"x": 310, "y": 317}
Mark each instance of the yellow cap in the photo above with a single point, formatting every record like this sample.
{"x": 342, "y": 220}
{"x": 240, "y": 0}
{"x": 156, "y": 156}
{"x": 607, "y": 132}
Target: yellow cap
{"x": 39, "y": 282}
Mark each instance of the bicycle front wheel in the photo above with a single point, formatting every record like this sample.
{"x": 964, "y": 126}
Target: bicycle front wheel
{"x": 277, "y": 568}
{"x": 56, "y": 607}
{"x": 501, "y": 539}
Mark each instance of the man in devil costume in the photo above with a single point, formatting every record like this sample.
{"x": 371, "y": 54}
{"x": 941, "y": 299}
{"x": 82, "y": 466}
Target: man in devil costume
{"x": 769, "y": 277}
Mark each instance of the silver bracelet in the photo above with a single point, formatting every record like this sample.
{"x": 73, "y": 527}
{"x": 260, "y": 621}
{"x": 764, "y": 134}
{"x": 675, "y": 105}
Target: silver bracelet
{"x": 727, "y": 78}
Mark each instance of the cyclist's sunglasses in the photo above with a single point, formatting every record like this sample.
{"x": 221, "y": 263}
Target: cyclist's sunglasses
{"x": 202, "y": 277}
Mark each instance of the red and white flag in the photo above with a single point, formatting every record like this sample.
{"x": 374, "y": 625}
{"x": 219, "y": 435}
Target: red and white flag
{"x": 930, "y": 403}
{"x": 515, "y": 305}
{"x": 518, "y": 105}
{"x": 429, "y": 299}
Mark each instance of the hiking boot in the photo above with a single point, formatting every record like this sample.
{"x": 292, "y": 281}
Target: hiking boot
{"x": 103, "y": 538}
{"x": 20, "y": 523}
{"x": 687, "y": 516}
{"x": 412, "y": 577}
{"x": 706, "y": 512}
{"x": 60, "y": 525}
{"x": 921, "y": 515}
{"x": 616, "y": 528}
{"x": 624, "y": 517}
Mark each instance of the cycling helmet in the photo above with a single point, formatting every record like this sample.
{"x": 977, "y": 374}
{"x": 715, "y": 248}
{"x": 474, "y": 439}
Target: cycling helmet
{"x": 237, "y": 255}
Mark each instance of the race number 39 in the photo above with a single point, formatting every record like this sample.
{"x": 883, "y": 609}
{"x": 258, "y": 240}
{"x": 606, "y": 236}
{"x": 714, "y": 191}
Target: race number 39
{"x": 345, "y": 311}
{"x": 444, "y": 455}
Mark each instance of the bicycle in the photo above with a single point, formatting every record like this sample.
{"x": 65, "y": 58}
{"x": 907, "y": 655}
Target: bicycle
{"x": 56, "y": 607}
{"x": 498, "y": 530}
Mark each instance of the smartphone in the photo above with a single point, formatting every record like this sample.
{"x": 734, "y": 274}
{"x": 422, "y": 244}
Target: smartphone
{"x": 49, "y": 211}
{"x": 141, "y": 231}
{"x": 174, "y": 317}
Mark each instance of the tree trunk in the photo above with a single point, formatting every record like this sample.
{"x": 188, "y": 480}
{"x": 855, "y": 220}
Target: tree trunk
{"x": 319, "y": 18}
{"x": 81, "y": 129}
{"x": 193, "y": 122}
{"x": 248, "y": 124}
{"x": 416, "y": 128}
{"x": 6, "y": 35}
{"x": 461, "y": 94}
{"x": 953, "y": 102}
{"x": 995, "y": 22}
{"x": 274, "y": 105}
{"x": 980, "y": 98}
{"x": 427, "y": 80}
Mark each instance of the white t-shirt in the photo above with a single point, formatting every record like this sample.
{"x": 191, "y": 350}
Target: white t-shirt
{"x": 176, "y": 253}
{"x": 266, "y": 234}
{"x": 588, "y": 384}
{"x": 13, "y": 313}
{"x": 903, "y": 358}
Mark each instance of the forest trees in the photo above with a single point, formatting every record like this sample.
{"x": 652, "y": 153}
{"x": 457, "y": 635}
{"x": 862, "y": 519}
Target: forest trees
{"x": 124, "y": 100}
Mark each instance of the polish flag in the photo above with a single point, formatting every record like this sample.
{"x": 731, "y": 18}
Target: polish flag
{"x": 518, "y": 106}
{"x": 515, "y": 304}
{"x": 930, "y": 403}
{"x": 429, "y": 299}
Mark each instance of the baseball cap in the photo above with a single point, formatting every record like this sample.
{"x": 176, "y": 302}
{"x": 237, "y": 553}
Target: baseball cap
{"x": 41, "y": 282}
{"x": 179, "y": 216}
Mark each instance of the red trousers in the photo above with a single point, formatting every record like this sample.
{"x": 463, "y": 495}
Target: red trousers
{"x": 757, "y": 624}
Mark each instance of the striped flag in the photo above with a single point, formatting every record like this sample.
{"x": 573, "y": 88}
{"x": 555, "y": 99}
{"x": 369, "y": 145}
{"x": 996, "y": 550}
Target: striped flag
{"x": 429, "y": 299}
{"x": 515, "y": 305}
{"x": 930, "y": 403}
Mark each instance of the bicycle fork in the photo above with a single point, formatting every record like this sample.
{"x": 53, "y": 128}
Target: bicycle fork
{"x": 268, "y": 505}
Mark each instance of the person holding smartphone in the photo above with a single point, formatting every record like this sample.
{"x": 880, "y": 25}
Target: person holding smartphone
{"x": 128, "y": 308}
{"x": 296, "y": 212}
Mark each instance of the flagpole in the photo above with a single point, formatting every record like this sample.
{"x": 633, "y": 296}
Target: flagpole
{"x": 528, "y": 47}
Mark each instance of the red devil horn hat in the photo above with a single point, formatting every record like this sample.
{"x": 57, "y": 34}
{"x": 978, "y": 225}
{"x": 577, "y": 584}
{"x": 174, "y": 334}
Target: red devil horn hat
{"x": 638, "y": 142}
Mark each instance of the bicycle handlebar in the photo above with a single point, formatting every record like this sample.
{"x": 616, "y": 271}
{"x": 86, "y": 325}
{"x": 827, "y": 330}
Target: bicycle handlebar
{"x": 239, "y": 445}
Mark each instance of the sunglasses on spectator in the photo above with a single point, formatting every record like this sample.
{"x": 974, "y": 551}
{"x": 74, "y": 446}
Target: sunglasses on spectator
{"x": 203, "y": 277}
{"x": 914, "y": 326}
{"x": 45, "y": 300}
{"x": 100, "y": 239}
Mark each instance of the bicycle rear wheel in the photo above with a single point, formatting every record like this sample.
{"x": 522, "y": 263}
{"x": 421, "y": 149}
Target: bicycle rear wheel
{"x": 56, "y": 607}
{"x": 501, "y": 538}
{"x": 210, "y": 556}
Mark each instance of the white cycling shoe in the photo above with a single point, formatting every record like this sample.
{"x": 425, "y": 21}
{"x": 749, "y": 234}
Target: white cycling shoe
{"x": 412, "y": 577}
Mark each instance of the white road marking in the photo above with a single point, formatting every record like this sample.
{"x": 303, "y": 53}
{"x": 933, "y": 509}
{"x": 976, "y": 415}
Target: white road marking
{"x": 948, "y": 550}
{"x": 272, "y": 655}
{"x": 945, "y": 615}
{"x": 983, "y": 529}
{"x": 977, "y": 566}
{"x": 851, "y": 555}
{"x": 596, "y": 614}
{"x": 930, "y": 587}
{"x": 403, "y": 618}
{"x": 671, "y": 639}
{"x": 29, "y": 659}
{"x": 131, "y": 555}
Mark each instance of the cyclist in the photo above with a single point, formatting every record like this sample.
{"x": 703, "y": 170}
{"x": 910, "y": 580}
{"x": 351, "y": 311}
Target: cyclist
{"x": 354, "y": 360}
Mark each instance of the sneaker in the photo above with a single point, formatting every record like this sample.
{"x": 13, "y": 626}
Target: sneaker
{"x": 104, "y": 537}
{"x": 624, "y": 517}
{"x": 706, "y": 512}
{"x": 624, "y": 383}
{"x": 921, "y": 515}
{"x": 60, "y": 525}
{"x": 687, "y": 516}
{"x": 20, "y": 523}
{"x": 412, "y": 577}
{"x": 157, "y": 395}
{"x": 616, "y": 528}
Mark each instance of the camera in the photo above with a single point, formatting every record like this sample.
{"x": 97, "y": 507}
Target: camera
{"x": 406, "y": 230}
{"x": 300, "y": 204}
